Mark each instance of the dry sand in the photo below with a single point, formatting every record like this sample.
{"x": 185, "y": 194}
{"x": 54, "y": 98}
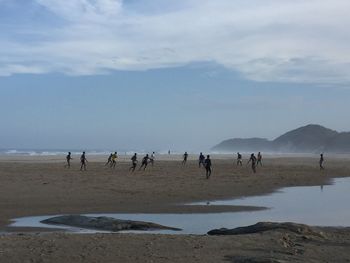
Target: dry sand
{"x": 42, "y": 186}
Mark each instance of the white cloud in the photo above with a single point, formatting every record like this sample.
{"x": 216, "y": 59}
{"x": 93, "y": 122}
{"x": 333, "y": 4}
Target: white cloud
{"x": 271, "y": 40}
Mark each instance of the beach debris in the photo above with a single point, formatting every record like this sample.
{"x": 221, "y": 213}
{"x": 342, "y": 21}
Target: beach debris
{"x": 104, "y": 223}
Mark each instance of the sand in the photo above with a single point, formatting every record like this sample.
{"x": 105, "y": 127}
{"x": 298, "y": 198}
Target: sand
{"x": 42, "y": 186}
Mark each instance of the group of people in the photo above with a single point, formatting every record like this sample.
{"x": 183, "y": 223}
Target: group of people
{"x": 255, "y": 161}
{"x": 83, "y": 161}
{"x": 112, "y": 160}
{"x": 145, "y": 161}
{"x": 202, "y": 161}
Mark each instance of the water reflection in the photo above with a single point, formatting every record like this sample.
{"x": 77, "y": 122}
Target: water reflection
{"x": 316, "y": 205}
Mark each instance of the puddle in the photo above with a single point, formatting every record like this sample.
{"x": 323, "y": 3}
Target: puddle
{"x": 316, "y": 205}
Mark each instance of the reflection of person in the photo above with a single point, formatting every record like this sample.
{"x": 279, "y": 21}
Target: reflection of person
{"x": 239, "y": 159}
{"x": 253, "y": 160}
{"x": 83, "y": 162}
{"x": 185, "y": 158}
{"x": 321, "y": 161}
{"x": 133, "y": 162}
{"x": 68, "y": 158}
{"x": 207, "y": 164}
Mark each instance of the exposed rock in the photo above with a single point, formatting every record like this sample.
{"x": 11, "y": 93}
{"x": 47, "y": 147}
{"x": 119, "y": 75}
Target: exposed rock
{"x": 243, "y": 259}
{"x": 104, "y": 223}
{"x": 266, "y": 226}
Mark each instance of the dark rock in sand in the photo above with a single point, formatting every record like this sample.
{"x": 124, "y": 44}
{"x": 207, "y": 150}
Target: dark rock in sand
{"x": 267, "y": 226}
{"x": 104, "y": 223}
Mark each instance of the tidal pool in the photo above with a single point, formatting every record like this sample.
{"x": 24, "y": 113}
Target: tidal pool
{"x": 327, "y": 205}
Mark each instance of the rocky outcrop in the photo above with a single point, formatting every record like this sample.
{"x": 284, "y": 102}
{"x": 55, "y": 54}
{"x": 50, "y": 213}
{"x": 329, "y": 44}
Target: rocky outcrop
{"x": 104, "y": 223}
{"x": 267, "y": 226}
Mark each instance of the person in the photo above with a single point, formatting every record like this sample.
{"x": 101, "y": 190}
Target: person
{"x": 201, "y": 160}
{"x": 185, "y": 158}
{"x": 239, "y": 159}
{"x": 253, "y": 160}
{"x": 68, "y": 158}
{"x": 83, "y": 162}
{"x": 169, "y": 152}
{"x": 144, "y": 162}
{"x": 114, "y": 160}
{"x": 321, "y": 161}
{"x": 151, "y": 160}
{"x": 207, "y": 164}
{"x": 109, "y": 160}
{"x": 259, "y": 160}
{"x": 133, "y": 162}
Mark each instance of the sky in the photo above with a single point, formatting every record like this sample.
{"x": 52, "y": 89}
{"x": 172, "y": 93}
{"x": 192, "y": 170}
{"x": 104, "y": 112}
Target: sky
{"x": 161, "y": 74}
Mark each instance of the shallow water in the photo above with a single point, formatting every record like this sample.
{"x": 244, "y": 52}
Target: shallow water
{"x": 327, "y": 205}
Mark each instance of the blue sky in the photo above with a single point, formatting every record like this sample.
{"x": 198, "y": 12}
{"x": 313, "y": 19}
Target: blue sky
{"x": 171, "y": 74}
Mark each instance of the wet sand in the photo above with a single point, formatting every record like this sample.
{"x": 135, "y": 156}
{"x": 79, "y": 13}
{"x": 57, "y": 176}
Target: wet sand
{"x": 42, "y": 186}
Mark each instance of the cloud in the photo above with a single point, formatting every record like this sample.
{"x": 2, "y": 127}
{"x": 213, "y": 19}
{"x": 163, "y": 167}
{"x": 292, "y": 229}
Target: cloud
{"x": 272, "y": 40}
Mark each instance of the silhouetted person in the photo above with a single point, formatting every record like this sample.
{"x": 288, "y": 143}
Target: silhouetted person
{"x": 133, "y": 162}
{"x": 169, "y": 152}
{"x": 68, "y": 158}
{"x": 109, "y": 160}
{"x": 144, "y": 162}
{"x": 259, "y": 159}
{"x": 207, "y": 164}
{"x": 253, "y": 160}
{"x": 201, "y": 160}
{"x": 185, "y": 158}
{"x": 151, "y": 160}
{"x": 114, "y": 160}
{"x": 239, "y": 159}
{"x": 321, "y": 161}
{"x": 83, "y": 162}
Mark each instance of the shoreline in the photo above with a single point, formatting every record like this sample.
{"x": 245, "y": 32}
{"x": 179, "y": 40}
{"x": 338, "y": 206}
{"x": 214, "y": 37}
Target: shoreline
{"x": 243, "y": 182}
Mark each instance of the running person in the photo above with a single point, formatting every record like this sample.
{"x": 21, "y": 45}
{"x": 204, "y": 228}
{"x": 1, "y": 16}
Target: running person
{"x": 239, "y": 159}
{"x": 114, "y": 160}
{"x": 144, "y": 162}
{"x": 151, "y": 160}
{"x": 201, "y": 160}
{"x": 109, "y": 160}
{"x": 83, "y": 162}
{"x": 207, "y": 164}
{"x": 253, "y": 160}
{"x": 185, "y": 158}
{"x": 259, "y": 161}
{"x": 321, "y": 161}
{"x": 68, "y": 158}
{"x": 133, "y": 162}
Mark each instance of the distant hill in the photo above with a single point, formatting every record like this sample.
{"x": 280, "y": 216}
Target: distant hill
{"x": 307, "y": 139}
{"x": 250, "y": 144}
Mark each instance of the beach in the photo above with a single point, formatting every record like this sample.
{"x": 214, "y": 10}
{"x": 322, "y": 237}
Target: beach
{"x": 41, "y": 185}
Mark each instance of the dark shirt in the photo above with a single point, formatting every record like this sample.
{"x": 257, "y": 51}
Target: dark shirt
{"x": 207, "y": 163}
